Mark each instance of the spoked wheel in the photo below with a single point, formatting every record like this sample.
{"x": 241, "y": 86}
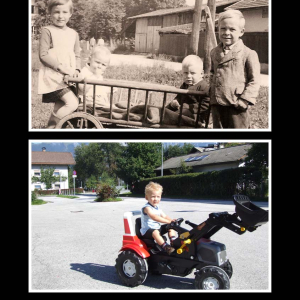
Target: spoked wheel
{"x": 79, "y": 120}
{"x": 212, "y": 278}
{"x": 131, "y": 268}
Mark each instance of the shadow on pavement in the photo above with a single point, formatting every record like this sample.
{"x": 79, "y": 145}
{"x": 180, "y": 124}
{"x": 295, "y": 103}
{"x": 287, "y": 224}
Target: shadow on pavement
{"x": 108, "y": 274}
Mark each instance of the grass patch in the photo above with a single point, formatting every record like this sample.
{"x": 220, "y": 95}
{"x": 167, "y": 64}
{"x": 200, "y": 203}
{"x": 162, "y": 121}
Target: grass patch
{"x": 66, "y": 196}
{"x": 38, "y": 202}
{"x": 109, "y": 200}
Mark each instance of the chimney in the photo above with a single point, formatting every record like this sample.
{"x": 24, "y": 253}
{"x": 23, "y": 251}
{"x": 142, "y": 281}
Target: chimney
{"x": 44, "y": 149}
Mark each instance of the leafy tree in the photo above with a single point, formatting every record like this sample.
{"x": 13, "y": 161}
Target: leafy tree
{"x": 139, "y": 161}
{"x": 47, "y": 177}
{"x": 257, "y": 163}
{"x": 42, "y": 18}
{"x": 227, "y": 145}
{"x": 177, "y": 150}
{"x": 91, "y": 182}
{"x": 258, "y": 157}
{"x": 183, "y": 169}
{"x": 97, "y": 159}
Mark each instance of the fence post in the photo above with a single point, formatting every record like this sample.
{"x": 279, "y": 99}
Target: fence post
{"x": 196, "y": 28}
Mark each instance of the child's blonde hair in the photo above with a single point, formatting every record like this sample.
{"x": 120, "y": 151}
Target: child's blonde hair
{"x": 153, "y": 186}
{"x": 233, "y": 13}
{"x": 192, "y": 60}
{"x": 60, "y": 2}
{"x": 102, "y": 50}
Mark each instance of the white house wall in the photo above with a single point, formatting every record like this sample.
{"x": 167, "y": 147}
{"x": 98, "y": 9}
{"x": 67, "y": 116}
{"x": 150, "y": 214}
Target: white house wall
{"x": 255, "y": 21}
{"x": 63, "y": 172}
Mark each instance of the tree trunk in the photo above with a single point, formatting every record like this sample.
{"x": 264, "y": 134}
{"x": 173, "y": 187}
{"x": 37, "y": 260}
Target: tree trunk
{"x": 207, "y": 41}
{"x": 196, "y": 28}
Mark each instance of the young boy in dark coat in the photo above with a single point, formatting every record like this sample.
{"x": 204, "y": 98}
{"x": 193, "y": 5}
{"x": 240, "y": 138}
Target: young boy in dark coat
{"x": 192, "y": 72}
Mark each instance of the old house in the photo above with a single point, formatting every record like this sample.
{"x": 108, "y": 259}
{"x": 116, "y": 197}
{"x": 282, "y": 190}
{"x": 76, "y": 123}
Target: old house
{"x": 207, "y": 161}
{"x": 60, "y": 161}
{"x": 151, "y": 28}
{"x": 256, "y": 13}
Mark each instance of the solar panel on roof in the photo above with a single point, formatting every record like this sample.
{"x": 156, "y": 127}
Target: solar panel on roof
{"x": 195, "y": 158}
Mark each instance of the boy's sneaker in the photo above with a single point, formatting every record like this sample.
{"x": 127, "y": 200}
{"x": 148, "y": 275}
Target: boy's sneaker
{"x": 169, "y": 249}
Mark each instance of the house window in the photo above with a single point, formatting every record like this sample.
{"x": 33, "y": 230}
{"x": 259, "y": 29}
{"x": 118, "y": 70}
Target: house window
{"x": 56, "y": 173}
{"x": 57, "y": 186}
{"x": 37, "y": 173}
{"x": 265, "y": 12}
{"x": 37, "y": 187}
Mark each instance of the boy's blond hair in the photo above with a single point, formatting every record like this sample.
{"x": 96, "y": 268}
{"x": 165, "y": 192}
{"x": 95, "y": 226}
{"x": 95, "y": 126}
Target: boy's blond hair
{"x": 102, "y": 50}
{"x": 233, "y": 13}
{"x": 192, "y": 60}
{"x": 53, "y": 3}
{"x": 153, "y": 186}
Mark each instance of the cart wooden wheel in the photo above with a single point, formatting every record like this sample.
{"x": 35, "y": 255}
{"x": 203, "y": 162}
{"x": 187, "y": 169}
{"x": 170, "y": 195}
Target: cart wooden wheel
{"x": 79, "y": 120}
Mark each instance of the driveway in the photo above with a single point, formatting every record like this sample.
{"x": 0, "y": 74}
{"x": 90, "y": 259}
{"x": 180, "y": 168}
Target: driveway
{"x": 74, "y": 244}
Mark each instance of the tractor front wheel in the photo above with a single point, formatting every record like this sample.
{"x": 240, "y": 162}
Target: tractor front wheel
{"x": 212, "y": 278}
{"x": 131, "y": 268}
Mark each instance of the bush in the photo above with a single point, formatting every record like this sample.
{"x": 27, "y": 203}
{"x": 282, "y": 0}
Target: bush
{"x": 33, "y": 196}
{"x": 105, "y": 191}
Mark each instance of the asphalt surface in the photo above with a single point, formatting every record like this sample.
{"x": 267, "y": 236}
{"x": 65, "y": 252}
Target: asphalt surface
{"x": 74, "y": 244}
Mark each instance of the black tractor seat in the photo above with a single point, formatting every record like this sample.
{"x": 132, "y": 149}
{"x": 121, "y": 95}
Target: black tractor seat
{"x": 149, "y": 242}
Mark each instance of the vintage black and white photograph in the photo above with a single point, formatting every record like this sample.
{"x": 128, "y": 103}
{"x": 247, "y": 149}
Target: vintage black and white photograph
{"x": 132, "y": 65}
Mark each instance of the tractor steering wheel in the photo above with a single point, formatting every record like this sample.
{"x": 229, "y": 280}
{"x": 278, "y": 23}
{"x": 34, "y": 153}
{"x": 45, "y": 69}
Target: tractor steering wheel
{"x": 177, "y": 222}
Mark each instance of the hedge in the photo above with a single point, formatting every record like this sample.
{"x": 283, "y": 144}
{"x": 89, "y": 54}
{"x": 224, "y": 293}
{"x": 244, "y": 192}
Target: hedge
{"x": 224, "y": 183}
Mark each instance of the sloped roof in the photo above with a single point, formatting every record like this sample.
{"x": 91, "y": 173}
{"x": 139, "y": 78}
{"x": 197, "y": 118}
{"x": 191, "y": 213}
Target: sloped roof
{"x": 52, "y": 158}
{"x": 230, "y": 154}
{"x": 169, "y": 11}
{"x": 246, "y": 4}
{"x": 162, "y": 12}
{"x": 184, "y": 28}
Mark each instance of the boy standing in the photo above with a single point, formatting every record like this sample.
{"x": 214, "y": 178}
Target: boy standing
{"x": 152, "y": 216}
{"x": 235, "y": 72}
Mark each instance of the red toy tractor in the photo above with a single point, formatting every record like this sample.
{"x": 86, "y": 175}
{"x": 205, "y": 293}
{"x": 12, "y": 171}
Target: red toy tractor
{"x": 194, "y": 248}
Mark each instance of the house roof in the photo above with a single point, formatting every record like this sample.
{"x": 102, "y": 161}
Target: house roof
{"x": 184, "y": 28}
{"x": 224, "y": 155}
{"x": 169, "y": 11}
{"x": 163, "y": 12}
{"x": 248, "y": 4}
{"x": 52, "y": 158}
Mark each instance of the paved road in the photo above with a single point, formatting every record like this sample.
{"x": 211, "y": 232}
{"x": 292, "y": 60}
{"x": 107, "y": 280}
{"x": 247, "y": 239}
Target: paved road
{"x": 74, "y": 244}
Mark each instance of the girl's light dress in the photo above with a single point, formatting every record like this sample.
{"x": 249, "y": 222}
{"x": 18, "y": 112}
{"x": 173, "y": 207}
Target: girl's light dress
{"x": 63, "y": 41}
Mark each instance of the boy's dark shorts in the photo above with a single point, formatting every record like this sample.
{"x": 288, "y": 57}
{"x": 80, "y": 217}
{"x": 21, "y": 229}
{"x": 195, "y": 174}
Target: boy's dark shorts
{"x": 162, "y": 230}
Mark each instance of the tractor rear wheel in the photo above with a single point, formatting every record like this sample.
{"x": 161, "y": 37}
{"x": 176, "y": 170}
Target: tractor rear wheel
{"x": 131, "y": 268}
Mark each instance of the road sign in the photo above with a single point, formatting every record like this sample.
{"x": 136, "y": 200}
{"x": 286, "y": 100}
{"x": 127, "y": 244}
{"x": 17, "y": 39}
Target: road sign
{"x": 74, "y": 176}
{"x": 74, "y": 172}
